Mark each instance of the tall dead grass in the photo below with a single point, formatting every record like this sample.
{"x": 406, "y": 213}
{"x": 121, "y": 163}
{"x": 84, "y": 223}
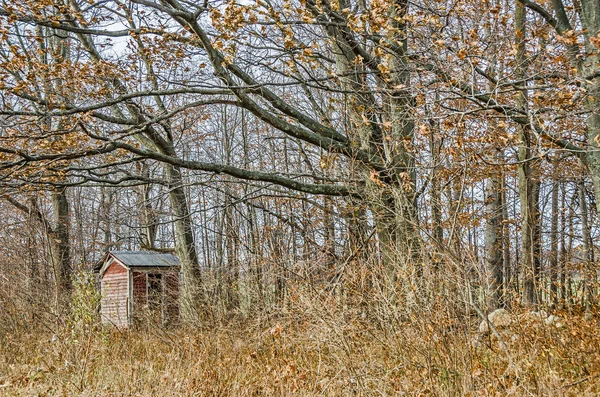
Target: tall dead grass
{"x": 292, "y": 357}
{"x": 370, "y": 336}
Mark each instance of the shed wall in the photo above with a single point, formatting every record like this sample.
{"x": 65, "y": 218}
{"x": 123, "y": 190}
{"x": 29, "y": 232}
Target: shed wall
{"x": 115, "y": 296}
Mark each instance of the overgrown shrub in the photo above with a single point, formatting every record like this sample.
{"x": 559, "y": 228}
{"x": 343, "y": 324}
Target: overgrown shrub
{"x": 85, "y": 303}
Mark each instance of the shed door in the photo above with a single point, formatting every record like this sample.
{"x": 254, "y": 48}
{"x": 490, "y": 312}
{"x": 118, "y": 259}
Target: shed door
{"x": 155, "y": 296}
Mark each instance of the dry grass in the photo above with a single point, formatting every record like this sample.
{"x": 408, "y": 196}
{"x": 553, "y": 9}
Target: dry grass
{"x": 363, "y": 340}
{"x": 331, "y": 355}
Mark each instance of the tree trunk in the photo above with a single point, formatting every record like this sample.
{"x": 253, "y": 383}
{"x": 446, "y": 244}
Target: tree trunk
{"x": 507, "y": 271}
{"x": 147, "y": 215}
{"x": 191, "y": 293}
{"x": 563, "y": 246}
{"x": 390, "y": 194}
{"x": 402, "y": 231}
{"x": 232, "y": 269}
{"x": 553, "y": 268}
{"x": 528, "y": 185}
{"x": 493, "y": 241}
{"x": 494, "y": 237}
{"x": 60, "y": 243}
{"x": 589, "y": 13}
{"x": 587, "y": 245}
{"x": 529, "y": 192}
{"x": 436, "y": 199}
{"x": 60, "y": 240}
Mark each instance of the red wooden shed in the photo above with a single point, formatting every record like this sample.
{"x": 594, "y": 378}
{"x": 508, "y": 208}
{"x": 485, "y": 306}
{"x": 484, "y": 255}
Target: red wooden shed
{"x": 138, "y": 285}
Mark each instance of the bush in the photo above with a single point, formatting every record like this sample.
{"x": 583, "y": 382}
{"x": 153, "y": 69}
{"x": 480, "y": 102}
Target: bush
{"x": 85, "y": 303}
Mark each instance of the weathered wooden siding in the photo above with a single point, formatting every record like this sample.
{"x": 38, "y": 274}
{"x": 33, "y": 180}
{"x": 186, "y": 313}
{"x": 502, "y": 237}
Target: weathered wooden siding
{"x": 115, "y": 296}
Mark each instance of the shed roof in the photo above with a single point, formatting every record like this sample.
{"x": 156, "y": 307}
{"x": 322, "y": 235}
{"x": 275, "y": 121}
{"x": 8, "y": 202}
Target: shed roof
{"x": 140, "y": 259}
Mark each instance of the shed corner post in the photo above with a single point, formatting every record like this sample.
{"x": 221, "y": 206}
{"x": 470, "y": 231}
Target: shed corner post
{"x": 129, "y": 297}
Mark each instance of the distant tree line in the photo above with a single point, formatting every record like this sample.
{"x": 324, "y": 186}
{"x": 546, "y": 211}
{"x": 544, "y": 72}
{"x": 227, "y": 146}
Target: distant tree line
{"x": 327, "y": 144}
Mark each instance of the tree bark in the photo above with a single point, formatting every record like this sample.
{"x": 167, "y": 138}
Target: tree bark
{"x": 436, "y": 194}
{"x": 494, "y": 240}
{"x": 61, "y": 248}
{"x": 588, "y": 252}
{"x": 390, "y": 195}
{"x": 147, "y": 215}
{"x": 553, "y": 268}
{"x": 563, "y": 245}
{"x": 506, "y": 261}
{"x": 589, "y": 14}
{"x": 191, "y": 291}
{"x": 528, "y": 185}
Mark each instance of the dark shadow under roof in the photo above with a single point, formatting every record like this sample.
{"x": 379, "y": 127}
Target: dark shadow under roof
{"x": 142, "y": 259}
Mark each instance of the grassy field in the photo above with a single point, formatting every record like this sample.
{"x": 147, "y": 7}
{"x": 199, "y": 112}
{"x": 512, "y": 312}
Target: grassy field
{"x": 333, "y": 355}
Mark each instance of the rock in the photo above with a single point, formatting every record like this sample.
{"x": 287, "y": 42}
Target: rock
{"x": 551, "y": 319}
{"x": 533, "y": 318}
{"x": 539, "y": 318}
{"x": 541, "y": 315}
{"x": 499, "y": 319}
{"x": 554, "y": 320}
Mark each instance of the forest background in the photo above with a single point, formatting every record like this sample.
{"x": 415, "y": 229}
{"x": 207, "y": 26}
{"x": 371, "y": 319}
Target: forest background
{"x": 351, "y": 187}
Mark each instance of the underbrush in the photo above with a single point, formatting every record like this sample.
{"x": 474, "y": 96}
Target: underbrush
{"x": 332, "y": 355}
{"x": 365, "y": 339}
